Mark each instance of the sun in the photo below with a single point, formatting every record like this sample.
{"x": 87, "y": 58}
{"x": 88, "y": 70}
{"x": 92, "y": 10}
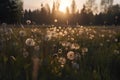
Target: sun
{"x": 64, "y": 4}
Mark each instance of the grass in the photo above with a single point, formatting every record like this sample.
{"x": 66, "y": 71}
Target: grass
{"x": 46, "y": 50}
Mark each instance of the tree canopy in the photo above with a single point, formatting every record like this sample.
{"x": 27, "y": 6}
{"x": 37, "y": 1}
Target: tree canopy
{"x": 11, "y": 11}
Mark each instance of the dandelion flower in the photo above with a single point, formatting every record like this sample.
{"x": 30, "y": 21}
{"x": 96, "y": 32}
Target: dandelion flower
{"x": 22, "y": 33}
{"x": 71, "y": 55}
{"x": 62, "y": 60}
{"x": 30, "y": 42}
{"x": 28, "y": 22}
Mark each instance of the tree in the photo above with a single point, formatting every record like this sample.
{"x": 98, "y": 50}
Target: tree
{"x": 11, "y": 11}
{"x": 73, "y": 7}
{"x": 105, "y": 4}
{"x": 90, "y": 6}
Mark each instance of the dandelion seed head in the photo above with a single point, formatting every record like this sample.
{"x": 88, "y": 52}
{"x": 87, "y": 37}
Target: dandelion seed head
{"x": 71, "y": 55}
{"x": 62, "y": 60}
{"x": 22, "y": 33}
{"x": 30, "y": 42}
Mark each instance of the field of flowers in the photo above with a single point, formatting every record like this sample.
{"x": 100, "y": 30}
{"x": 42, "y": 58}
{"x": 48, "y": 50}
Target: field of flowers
{"x": 59, "y": 53}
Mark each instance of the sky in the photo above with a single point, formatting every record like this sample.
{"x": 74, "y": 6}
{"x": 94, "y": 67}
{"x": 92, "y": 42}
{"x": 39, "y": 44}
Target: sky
{"x": 35, "y": 4}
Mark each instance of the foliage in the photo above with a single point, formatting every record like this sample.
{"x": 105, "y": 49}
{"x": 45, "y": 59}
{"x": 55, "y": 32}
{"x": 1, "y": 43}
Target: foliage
{"x": 63, "y": 53}
{"x": 86, "y": 16}
{"x": 11, "y": 11}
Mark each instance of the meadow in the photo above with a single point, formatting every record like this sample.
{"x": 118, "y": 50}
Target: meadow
{"x": 59, "y": 53}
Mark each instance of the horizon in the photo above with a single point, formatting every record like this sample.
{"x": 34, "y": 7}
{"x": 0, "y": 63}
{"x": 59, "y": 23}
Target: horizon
{"x": 29, "y": 4}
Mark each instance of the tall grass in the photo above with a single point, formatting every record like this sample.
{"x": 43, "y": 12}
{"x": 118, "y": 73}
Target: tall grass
{"x": 59, "y": 53}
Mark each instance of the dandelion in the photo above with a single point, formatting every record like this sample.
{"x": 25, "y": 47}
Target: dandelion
{"x": 55, "y": 55}
{"x": 72, "y": 39}
{"x": 48, "y": 37}
{"x": 22, "y": 33}
{"x": 30, "y": 42}
{"x": 60, "y": 51}
{"x": 91, "y": 36}
{"x": 71, "y": 55}
{"x": 75, "y": 46}
{"x": 84, "y": 50}
{"x": 28, "y": 22}
{"x": 65, "y": 44}
{"x": 62, "y": 60}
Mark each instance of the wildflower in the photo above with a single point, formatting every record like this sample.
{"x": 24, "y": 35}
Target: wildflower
{"x": 62, "y": 60}
{"x": 28, "y": 22}
{"x": 75, "y": 46}
{"x": 48, "y": 37}
{"x": 72, "y": 39}
{"x": 55, "y": 55}
{"x": 30, "y": 42}
{"x": 65, "y": 44}
{"x": 84, "y": 50}
{"x": 91, "y": 36}
{"x": 60, "y": 51}
{"x": 22, "y": 33}
{"x": 71, "y": 55}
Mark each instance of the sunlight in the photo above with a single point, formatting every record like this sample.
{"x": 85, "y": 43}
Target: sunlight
{"x": 64, "y": 4}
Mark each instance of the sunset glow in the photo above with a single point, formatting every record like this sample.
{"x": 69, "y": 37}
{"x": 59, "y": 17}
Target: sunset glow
{"x": 64, "y": 4}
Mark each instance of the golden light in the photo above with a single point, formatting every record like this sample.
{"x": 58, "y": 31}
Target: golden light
{"x": 64, "y": 4}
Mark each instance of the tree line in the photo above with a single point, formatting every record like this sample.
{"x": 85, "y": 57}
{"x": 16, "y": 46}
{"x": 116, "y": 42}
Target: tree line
{"x": 90, "y": 14}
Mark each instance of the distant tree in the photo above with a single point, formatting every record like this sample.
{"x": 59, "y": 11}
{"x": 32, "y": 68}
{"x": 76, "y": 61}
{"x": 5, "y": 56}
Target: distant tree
{"x": 91, "y": 6}
{"x": 73, "y": 7}
{"x": 53, "y": 8}
{"x": 105, "y": 4}
{"x": 11, "y": 11}
{"x": 47, "y": 8}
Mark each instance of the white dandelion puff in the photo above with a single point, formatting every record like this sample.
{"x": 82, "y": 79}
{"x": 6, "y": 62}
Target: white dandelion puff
{"x": 30, "y": 42}
{"x": 71, "y": 55}
{"x": 62, "y": 60}
{"x": 22, "y": 33}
